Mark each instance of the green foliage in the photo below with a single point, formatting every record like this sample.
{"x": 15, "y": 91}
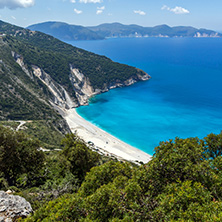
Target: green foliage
{"x": 213, "y": 145}
{"x": 19, "y": 156}
{"x": 19, "y": 95}
{"x": 46, "y": 131}
{"x": 181, "y": 183}
{"x": 187, "y": 201}
{"x": 104, "y": 174}
{"x": 80, "y": 158}
{"x": 41, "y": 177}
{"x": 61, "y": 209}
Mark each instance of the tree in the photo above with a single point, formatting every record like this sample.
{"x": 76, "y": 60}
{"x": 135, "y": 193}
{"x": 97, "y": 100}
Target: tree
{"x": 19, "y": 154}
{"x": 213, "y": 145}
{"x": 104, "y": 174}
{"x": 187, "y": 201}
{"x": 80, "y": 158}
{"x": 181, "y": 183}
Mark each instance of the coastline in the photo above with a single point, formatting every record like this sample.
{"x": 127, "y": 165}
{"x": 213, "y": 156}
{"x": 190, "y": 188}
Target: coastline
{"x": 103, "y": 142}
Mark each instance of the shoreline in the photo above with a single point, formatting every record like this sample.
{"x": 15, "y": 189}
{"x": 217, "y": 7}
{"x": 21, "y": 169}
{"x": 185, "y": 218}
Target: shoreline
{"x": 103, "y": 142}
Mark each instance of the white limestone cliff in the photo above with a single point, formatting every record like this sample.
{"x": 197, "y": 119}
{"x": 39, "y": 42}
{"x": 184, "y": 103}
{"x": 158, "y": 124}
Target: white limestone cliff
{"x": 82, "y": 88}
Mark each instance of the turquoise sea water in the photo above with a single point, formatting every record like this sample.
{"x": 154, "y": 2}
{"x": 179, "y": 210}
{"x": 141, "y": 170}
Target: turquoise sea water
{"x": 183, "y": 98}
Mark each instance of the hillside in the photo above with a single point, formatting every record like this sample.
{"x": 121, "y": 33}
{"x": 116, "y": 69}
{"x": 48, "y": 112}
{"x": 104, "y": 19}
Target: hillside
{"x": 65, "y": 31}
{"x": 40, "y": 73}
{"x": 182, "y": 182}
{"x": 69, "y": 32}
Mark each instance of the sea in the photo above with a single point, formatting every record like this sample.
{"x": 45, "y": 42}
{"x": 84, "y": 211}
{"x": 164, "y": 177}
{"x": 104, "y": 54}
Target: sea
{"x": 182, "y": 99}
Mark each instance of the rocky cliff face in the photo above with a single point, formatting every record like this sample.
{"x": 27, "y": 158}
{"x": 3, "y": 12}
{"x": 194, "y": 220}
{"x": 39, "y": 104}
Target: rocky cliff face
{"x": 13, "y": 207}
{"x": 82, "y": 87}
{"x": 205, "y": 35}
{"x": 61, "y": 97}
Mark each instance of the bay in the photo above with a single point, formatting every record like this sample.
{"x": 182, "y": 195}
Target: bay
{"x": 182, "y": 99}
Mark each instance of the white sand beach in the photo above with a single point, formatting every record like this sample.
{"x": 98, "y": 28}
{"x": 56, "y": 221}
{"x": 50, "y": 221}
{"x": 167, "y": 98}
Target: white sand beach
{"x": 102, "y": 140}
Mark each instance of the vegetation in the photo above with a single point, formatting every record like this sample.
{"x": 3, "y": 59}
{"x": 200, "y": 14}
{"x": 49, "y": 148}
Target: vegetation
{"x": 20, "y": 160}
{"x": 42, "y": 176}
{"x": 21, "y": 98}
{"x": 183, "y": 181}
{"x": 55, "y": 57}
{"x": 46, "y": 131}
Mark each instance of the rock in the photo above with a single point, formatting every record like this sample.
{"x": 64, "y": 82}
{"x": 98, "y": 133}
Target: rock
{"x": 13, "y": 207}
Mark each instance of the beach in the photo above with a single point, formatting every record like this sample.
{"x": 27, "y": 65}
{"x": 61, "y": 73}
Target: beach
{"x": 103, "y": 141}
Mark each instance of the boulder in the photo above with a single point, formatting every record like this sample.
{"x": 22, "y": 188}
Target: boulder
{"x": 13, "y": 207}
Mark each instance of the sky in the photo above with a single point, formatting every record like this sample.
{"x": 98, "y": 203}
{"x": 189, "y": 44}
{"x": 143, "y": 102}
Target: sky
{"x": 196, "y": 13}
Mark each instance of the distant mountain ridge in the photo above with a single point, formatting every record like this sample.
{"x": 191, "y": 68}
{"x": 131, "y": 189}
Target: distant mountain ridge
{"x": 120, "y": 30}
{"x": 65, "y": 31}
{"x": 68, "y": 32}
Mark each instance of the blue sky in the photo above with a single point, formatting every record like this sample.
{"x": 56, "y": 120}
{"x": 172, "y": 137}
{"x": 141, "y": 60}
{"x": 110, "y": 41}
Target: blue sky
{"x": 197, "y": 13}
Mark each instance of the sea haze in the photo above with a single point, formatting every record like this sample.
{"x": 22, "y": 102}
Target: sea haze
{"x": 183, "y": 98}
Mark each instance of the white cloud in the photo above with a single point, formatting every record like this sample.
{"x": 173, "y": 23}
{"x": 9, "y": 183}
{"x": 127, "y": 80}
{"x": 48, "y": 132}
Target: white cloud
{"x": 139, "y": 12}
{"x": 13, "y": 4}
{"x": 90, "y": 1}
{"x": 176, "y": 10}
{"x": 179, "y": 10}
{"x": 77, "y": 11}
{"x": 100, "y": 10}
{"x": 73, "y": 1}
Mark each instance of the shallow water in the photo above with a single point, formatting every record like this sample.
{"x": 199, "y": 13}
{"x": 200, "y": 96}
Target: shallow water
{"x": 182, "y": 99}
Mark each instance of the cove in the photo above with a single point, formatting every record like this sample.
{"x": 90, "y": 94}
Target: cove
{"x": 183, "y": 98}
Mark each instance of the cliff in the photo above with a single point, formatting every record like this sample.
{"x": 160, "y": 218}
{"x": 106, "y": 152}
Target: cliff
{"x": 81, "y": 85}
{"x": 42, "y": 75}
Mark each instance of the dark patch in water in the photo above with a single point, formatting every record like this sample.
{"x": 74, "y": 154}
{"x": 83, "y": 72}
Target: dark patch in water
{"x": 98, "y": 100}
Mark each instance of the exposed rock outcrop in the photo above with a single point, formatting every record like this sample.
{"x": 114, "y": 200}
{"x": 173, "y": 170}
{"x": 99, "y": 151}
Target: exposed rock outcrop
{"x": 61, "y": 97}
{"x": 19, "y": 59}
{"x": 82, "y": 87}
{"x": 13, "y": 207}
{"x": 205, "y": 35}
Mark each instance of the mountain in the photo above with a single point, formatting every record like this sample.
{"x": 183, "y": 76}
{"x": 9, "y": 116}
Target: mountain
{"x": 68, "y": 32}
{"x": 41, "y": 75}
{"x": 120, "y": 30}
{"x": 65, "y": 31}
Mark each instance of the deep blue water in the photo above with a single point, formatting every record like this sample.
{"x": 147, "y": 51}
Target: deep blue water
{"x": 183, "y": 98}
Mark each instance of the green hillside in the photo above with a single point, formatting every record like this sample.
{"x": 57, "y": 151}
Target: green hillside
{"x": 23, "y": 97}
{"x": 182, "y": 182}
{"x": 20, "y": 96}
